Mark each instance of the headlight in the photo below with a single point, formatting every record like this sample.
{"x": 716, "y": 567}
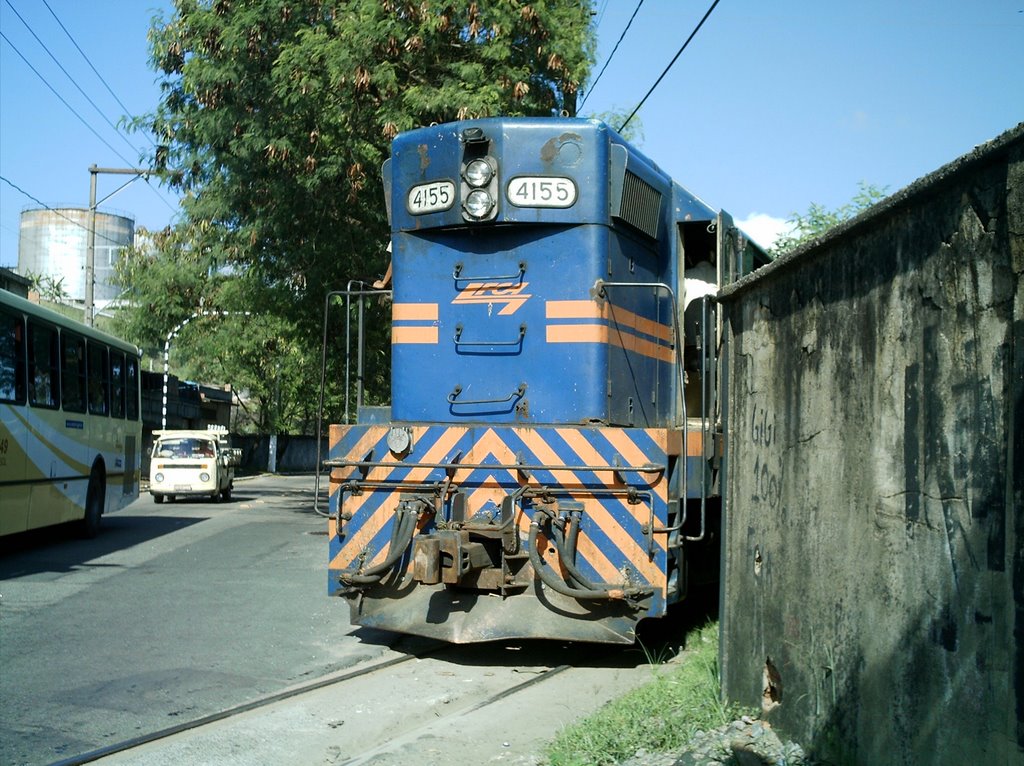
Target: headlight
{"x": 204, "y": 477}
{"x": 399, "y": 440}
{"x": 479, "y": 173}
{"x": 478, "y": 203}
{"x": 158, "y": 478}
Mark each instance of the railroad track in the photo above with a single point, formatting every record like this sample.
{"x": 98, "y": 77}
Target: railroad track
{"x": 410, "y": 736}
{"x": 323, "y": 682}
{"x": 440, "y": 687}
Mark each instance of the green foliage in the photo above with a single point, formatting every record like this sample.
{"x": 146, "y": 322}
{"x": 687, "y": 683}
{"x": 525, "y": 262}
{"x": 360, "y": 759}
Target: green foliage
{"x": 818, "y": 219}
{"x": 661, "y": 716}
{"x": 49, "y": 288}
{"x": 261, "y": 354}
{"x": 276, "y": 116}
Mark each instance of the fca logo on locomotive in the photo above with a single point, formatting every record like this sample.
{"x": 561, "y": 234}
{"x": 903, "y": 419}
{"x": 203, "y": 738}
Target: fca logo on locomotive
{"x": 495, "y": 292}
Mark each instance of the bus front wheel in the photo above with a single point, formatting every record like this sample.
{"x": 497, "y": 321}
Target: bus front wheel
{"x": 94, "y": 497}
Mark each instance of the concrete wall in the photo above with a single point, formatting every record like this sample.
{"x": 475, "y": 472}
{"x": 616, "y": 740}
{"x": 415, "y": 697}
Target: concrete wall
{"x": 874, "y": 578}
{"x": 295, "y": 454}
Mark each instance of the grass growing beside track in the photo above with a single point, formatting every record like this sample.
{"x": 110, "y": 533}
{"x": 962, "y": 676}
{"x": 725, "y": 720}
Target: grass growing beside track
{"x": 660, "y": 716}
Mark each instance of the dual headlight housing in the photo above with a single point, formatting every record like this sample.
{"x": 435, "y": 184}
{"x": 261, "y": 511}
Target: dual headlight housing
{"x": 479, "y": 178}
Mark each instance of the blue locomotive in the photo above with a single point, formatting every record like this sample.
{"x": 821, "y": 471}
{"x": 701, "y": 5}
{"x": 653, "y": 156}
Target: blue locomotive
{"x": 551, "y": 461}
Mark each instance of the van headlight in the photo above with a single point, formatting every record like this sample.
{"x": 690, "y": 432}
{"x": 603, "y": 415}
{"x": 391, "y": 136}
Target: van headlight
{"x": 158, "y": 478}
{"x": 204, "y": 477}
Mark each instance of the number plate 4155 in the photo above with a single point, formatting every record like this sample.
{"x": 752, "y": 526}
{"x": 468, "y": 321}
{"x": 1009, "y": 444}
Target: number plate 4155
{"x": 541, "y": 191}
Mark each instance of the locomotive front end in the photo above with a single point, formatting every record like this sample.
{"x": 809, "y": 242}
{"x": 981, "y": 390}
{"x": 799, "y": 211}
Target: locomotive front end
{"x": 532, "y": 479}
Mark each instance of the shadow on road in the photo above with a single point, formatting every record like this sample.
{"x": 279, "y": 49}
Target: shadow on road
{"x": 58, "y": 549}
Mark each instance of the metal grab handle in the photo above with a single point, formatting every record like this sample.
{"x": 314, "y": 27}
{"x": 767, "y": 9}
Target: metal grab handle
{"x": 457, "y": 272}
{"x": 458, "y": 390}
{"x": 516, "y": 342}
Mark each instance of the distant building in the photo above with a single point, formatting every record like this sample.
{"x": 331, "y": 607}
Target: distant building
{"x": 14, "y": 283}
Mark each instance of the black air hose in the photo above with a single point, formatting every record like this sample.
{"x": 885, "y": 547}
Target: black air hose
{"x": 568, "y": 557}
{"x": 405, "y": 528}
{"x": 610, "y": 593}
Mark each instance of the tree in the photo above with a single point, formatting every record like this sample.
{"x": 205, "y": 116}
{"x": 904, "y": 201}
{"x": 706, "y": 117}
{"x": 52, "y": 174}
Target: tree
{"x": 818, "y": 219}
{"x": 276, "y": 116}
{"x": 261, "y": 354}
{"x": 49, "y": 288}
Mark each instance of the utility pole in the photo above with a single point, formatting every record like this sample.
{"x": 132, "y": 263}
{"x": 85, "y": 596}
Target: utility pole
{"x": 90, "y": 252}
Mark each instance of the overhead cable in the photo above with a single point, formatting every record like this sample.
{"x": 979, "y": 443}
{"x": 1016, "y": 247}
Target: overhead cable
{"x": 85, "y": 95}
{"x": 673, "y": 61}
{"x": 110, "y": 90}
{"x": 610, "y": 55}
{"x": 62, "y": 100}
{"x": 72, "y": 79}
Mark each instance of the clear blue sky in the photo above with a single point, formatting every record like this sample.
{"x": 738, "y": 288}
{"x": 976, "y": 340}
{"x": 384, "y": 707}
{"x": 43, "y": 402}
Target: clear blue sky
{"x": 772, "y": 106}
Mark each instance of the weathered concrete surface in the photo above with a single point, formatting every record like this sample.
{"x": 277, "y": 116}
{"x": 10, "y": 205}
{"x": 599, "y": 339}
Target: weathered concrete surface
{"x": 875, "y": 518}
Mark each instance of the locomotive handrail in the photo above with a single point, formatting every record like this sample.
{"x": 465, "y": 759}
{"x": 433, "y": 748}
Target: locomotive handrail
{"x": 453, "y": 396}
{"x": 704, "y": 430}
{"x": 457, "y": 274}
{"x": 459, "y": 342}
{"x": 348, "y": 292}
{"x": 599, "y": 289}
{"x": 645, "y": 468}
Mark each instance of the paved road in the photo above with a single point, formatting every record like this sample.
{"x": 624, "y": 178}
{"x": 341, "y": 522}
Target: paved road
{"x": 178, "y": 611}
{"x": 172, "y": 612}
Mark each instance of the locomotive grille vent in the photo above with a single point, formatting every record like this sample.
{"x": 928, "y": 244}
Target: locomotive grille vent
{"x": 640, "y": 205}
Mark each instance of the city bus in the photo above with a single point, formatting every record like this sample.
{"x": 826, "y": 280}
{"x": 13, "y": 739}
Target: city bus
{"x": 70, "y": 421}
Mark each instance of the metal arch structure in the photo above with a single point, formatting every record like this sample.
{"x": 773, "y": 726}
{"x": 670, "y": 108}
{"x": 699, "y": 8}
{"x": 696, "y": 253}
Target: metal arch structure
{"x": 167, "y": 349}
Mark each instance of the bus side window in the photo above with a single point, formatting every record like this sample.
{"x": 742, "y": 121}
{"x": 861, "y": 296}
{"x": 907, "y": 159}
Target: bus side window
{"x": 12, "y": 358}
{"x": 131, "y": 388}
{"x": 43, "y": 364}
{"x": 99, "y": 380}
{"x": 116, "y": 384}
{"x": 72, "y": 372}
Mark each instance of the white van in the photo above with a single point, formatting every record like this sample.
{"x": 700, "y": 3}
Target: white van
{"x": 192, "y": 463}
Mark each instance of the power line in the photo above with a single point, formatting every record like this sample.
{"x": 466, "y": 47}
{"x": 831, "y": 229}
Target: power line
{"x": 72, "y": 79}
{"x": 110, "y": 90}
{"x": 610, "y": 55}
{"x": 673, "y": 61}
{"x": 57, "y": 212}
{"x": 63, "y": 101}
{"x": 160, "y": 197}
{"x": 149, "y": 186}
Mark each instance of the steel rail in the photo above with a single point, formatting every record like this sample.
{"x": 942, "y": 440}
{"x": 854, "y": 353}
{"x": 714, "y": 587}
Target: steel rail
{"x": 320, "y": 683}
{"x": 368, "y": 756}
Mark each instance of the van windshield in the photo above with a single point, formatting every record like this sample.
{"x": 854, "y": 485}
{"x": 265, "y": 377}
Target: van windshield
{"x": 184, "y": 447}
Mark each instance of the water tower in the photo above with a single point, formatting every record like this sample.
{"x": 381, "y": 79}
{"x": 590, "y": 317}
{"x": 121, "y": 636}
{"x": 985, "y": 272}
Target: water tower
{"x": 53, "y": 243}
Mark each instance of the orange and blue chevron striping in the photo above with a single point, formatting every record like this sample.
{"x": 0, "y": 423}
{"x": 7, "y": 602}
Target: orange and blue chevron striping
{"x": 616, "y": 479}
